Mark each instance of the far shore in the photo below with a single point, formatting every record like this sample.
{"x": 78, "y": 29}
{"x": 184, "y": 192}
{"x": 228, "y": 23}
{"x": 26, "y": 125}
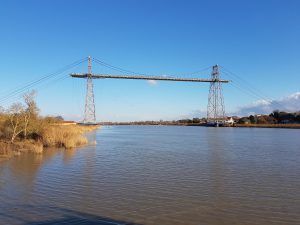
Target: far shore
{"x": 287, "y": 126}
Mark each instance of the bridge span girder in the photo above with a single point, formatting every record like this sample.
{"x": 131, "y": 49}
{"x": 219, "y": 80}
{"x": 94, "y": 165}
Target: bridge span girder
{"x": 162, "y": 78}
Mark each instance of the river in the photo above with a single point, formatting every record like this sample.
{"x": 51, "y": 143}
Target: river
{"x": 159, "y": 175}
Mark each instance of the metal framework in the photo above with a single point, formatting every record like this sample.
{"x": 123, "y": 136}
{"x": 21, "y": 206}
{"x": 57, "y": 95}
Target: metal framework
{"x": 215, "y": 107}
{"x": 164, "y": 78}
{"x": 89, "y": 109}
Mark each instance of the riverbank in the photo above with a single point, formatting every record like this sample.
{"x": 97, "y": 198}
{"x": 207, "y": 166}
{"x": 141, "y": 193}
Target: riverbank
{"x": 70, "y": 136}
{"x": 288, "y": 126}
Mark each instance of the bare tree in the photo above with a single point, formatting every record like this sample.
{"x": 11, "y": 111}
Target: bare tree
{"x": 16, "y": 113}
{"x": 30, "y": 111}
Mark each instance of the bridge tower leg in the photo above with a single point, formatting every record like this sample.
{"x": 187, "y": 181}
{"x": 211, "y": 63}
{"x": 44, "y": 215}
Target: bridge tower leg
{"x": 89, "y": 111}
{"x": 215, "y": 107}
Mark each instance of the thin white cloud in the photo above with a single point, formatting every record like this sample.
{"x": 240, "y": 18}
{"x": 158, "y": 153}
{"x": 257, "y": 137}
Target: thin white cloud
{"x": 289, "y": 103}
{"x": 195, "y": 114}
{"x": 152, "y": 82}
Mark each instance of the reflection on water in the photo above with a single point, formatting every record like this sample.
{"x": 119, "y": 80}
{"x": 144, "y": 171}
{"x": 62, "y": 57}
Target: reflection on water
{"x": 69, "y": 154}
{"x": 158, "y": 175}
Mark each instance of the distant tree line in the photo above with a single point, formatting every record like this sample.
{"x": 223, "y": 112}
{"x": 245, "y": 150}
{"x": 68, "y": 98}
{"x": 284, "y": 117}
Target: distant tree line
{"x": 160, "y": 122}
{"x": 276, "y": 117}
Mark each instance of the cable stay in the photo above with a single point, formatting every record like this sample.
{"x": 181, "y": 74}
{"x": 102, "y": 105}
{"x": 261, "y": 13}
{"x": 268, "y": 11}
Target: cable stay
{"x": 247, "y": 88}
{"x": 37, "y": 82}
{"x": 121, "y": 70}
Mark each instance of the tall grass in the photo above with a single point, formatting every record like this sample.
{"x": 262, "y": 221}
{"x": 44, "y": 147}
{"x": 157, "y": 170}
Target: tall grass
{"x": 47, "y": 135}
{"x": 65, "y": 136}
{"x": 8, "y": 149}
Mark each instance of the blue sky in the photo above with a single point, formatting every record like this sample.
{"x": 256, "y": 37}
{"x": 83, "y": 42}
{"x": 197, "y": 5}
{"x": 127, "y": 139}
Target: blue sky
{"x": 256, "y": 40}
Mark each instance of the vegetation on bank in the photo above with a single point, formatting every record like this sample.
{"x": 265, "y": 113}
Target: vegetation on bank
{"x": 65, "y": 136}
{"x": 276, "y": 117}
{"x": 182, "y": 122}
{"x": 23, "y": 129}
{"x": 291, "y": 126}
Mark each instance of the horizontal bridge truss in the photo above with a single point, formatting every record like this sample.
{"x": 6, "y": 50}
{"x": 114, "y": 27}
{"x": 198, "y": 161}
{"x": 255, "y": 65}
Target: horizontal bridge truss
{"x": 163, "y": 78}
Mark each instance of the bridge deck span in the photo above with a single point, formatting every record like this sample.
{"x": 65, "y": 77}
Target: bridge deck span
{"x": 164, "y": 78}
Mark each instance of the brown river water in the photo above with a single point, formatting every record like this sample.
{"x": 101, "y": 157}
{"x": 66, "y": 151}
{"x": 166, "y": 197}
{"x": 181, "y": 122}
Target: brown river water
{"x": 154, "y": 175}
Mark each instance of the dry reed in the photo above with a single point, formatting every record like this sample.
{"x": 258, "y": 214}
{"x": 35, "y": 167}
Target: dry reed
{"x": 70, "y": 136}
{"x": 8, "y": 149}
{"x": 65, "y": 136}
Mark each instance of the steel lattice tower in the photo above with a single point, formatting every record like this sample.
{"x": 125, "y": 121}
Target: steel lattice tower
{"x": 89, "y": 112}
{"x": 215, "y": 107}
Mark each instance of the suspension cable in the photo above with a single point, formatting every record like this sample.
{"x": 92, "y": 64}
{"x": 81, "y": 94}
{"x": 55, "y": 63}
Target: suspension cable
{"x": 36, "y": 82}
{"x": 247, "y": 88}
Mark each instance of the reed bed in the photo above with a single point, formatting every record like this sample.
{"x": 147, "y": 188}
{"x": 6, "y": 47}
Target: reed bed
{"x": 69, "y": 136}
{"x": 54, "y": 135}
{"x": 8, "y": 149}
